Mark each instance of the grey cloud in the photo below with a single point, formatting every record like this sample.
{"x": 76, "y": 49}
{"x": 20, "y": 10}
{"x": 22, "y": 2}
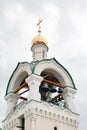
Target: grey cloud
{"x": 13, "y": 35}
{"x": 79, "y": 61}
{"x": 31, "y": 6}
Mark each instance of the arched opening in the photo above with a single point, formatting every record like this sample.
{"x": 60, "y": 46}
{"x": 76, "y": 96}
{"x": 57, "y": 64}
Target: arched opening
{"x": 50, "y": 89}
{"x": 21, "y": 87}
{"x": 55, "y": 128}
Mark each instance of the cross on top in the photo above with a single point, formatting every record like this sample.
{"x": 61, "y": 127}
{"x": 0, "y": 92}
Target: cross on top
{"x": 39, "y": 27}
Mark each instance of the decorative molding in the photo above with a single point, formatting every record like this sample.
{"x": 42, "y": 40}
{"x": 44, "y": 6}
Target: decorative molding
{"x": 44, "y": 111}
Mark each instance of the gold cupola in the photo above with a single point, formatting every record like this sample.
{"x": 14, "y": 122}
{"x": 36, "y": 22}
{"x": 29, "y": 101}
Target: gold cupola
{"x": 39, "y": 45}
{"x": 39, "y": 39}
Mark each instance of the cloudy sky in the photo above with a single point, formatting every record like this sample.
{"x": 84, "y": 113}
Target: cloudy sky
{"x": 65, "y": 27}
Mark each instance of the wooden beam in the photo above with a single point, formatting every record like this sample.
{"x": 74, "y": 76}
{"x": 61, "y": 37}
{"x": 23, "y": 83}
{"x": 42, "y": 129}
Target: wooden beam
{"x": 24, "y": 92}
{"x": 51, "y": 82}
{"x": 20, "y": 87}
{"x": 23, "y": 98}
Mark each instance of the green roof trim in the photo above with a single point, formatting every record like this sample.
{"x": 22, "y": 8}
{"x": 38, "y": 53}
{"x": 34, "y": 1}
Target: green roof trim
{"x": 11, "y": 78}
{"x": 58, "y": 64}
{"x": 33, "y": 66}
{"x": 67, "y": 73}
{"x": 13, "y": 74}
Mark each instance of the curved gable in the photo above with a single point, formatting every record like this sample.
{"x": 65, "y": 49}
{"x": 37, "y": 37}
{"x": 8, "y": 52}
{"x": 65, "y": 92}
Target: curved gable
{"x": 21, "y": 70}
{"x": 57, "y": 69}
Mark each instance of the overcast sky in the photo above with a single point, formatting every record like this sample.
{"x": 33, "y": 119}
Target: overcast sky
{"x": 65, "y": 27}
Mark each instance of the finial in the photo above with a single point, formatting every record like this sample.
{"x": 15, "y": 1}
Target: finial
{"x": 39, "y": 27}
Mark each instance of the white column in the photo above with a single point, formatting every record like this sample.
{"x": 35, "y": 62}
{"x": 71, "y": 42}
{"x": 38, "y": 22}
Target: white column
{"x": 34, "y": 82}
{"x": 11, "y": 99}
{"x": 68, "y": 94}
{"x": 32, "y": 121}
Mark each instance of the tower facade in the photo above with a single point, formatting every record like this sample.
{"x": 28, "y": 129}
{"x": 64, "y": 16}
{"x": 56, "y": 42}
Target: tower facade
{"x": 40, "y": 94}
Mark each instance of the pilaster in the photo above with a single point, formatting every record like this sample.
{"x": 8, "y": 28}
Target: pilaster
{"x": 11, "y": 99}
{"x": 34, "y": 82}
{"x": 32, "y": 121}
{"x": 68, "y": 94}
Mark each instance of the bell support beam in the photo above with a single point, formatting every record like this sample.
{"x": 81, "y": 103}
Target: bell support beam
{"x": 23, "y": 98}
{"x": 51, "y": 82}
{"x": 45, "y": 80}
{"x": 20, "y": 87}
{"x": 24, "y": 92}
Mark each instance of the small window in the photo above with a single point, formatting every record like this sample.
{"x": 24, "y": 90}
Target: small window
{"x": 55, "y": 128}
{"x": 22, "y": 123}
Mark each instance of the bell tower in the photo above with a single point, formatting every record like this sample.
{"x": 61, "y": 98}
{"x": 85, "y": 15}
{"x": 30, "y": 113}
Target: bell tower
{"x": 40, "y": 94}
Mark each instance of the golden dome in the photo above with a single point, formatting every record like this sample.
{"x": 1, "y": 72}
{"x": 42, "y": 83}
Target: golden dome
{"x": 39, "y": 39}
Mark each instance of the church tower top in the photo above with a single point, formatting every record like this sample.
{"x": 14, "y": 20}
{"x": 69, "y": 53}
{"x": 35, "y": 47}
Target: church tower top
{"x": 40, "y": 94}
{"x": 39, "y": 45}
{"x": 39, "y": 39}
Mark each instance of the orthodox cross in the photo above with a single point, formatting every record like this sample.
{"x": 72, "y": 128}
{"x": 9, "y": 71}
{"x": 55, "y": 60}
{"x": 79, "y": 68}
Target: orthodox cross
{"x": 39, "y": 27}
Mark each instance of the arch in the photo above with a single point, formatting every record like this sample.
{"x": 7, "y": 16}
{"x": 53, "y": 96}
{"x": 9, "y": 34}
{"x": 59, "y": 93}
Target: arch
{"x": 56, "y": 69}
{"x": 41, "y": 111}
{"x": 63, "y": 118}
{"x": 59, "y": 117}
{"x": 22, "y": 71}
{"x": 45, "y": 105}
{"x": 56, "y": 109}
{"x": 45, "y": 113}
{"x": 75, "y": 122}
{"x": 54, "y": 115}
{"x": 36, "y": 110}
{"x": 67, "y": 120}
{"x": 49, "y": 114}
{"x": 71, "y": 121}
{"x": 55, "y": 128}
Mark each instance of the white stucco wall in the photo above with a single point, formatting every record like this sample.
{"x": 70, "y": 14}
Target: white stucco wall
{"x": 41, "y": 116}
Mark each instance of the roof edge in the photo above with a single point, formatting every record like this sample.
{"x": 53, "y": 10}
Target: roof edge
{"x": 58, "y": 64}
{"x": 13, "y": 74}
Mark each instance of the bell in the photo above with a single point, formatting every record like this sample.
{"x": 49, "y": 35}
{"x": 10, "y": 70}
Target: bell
{"x": 53, "y": 89}
{"x": 44, "y": 87}
{"x": 60, "y": 90}
{"x": 60, "y": 98}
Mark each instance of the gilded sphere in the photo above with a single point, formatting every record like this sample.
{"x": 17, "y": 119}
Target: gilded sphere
{"x": 39, "y": 39}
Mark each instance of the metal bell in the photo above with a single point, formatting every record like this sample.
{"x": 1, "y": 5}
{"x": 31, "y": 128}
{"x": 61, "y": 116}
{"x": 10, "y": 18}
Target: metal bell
{"x": 53, "y": 89}
{"x": 60, "y": 98}
{"x": 44, "y": 87}
{"x": 60, "y": 90}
